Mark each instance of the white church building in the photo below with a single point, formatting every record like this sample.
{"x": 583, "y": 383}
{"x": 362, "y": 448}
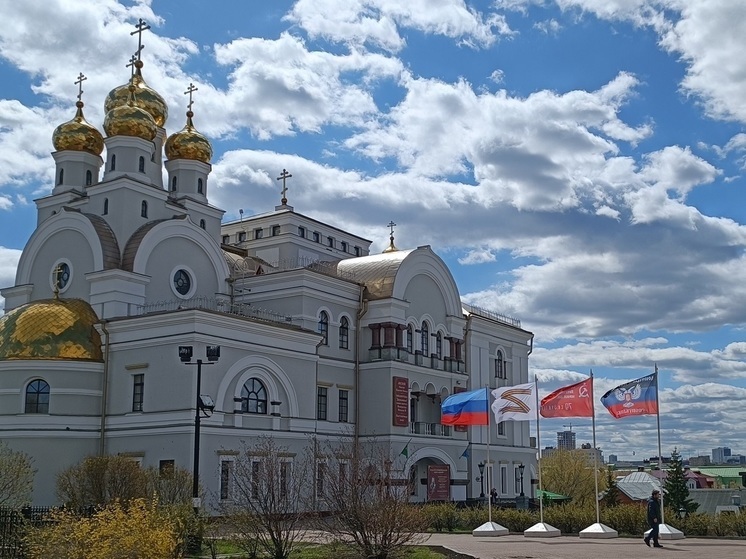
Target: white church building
{"x": 316, "y": 335}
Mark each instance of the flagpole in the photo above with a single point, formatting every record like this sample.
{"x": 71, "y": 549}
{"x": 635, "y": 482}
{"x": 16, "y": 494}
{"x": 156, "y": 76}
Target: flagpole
{"x": 538, "y": 444}
{"x": 658, "y": 420}
{"x": 489, "y": 463}
{"x": 595, "y": 453}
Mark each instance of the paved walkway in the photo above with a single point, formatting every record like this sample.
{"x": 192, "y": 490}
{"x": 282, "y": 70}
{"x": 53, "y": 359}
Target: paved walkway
{"x": 572, "y": 547}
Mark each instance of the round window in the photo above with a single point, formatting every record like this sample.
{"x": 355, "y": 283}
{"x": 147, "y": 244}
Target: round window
{"x": 182, "y": 282}
{"x": 61, "y": 275}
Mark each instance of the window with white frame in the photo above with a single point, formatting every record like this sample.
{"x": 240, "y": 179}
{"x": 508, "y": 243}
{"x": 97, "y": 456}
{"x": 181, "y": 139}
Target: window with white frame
{"x": 344, "y": 405}
{"x": 425, "y": 339}
{"x": 503, "y": 480}
{"x": 517, "y": 479}
{"x": 500, "y": 365}
{"x": 226, "y": 478}
{"x": 256, "y": 478}
{"x": 344, "y": 333}
{"x": 323, "y": 327}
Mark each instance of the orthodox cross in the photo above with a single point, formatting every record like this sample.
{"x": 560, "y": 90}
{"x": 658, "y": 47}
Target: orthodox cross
{"x": 131, "y": 65}
{"x": 283, "y": 177}
{"x": 191, "y": 89}
{"x": 58, "y": 271}
{"x": 391, "y": 226}
{"x": 79, "y": 83}
{"x": 140, "y": 26}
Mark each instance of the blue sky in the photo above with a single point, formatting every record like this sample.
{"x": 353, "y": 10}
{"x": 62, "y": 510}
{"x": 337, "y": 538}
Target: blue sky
{"x": 577, "y": 163}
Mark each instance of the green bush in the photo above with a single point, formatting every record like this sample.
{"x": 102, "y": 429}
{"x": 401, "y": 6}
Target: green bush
{"x": 728, "y": 524}
{"x": 441, "y": 516}
{"x": 626, "y": 519}
{"x": 515, "y": 520}
{"x": 695, "y": 524}
{"x": 568, "y": 518}
{"x": 473, "y": 517}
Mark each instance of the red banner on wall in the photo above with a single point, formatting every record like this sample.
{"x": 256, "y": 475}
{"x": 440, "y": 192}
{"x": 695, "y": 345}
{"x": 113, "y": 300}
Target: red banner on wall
{"x": 438, "y": 482}
{"x": 401, "y": 402}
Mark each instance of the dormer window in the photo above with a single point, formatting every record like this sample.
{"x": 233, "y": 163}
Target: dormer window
{"x": 173, "y": 184}
{"x": 357, "y": 251}
{"x": 144, "y": 209}
{"x": 62, "y": 176}
{"x": 141, "y": 164}
{"x": 200, "y": 186}
{"x": 226, "y": 239}
{"x": 330, "y": 241}
{"x": 344, "y": 246}
{"x": 275, "y": 230}
{"x": 113, "y": 166}
{"x": 258, "y": 233}
{"x": 241, "y": 236}
{"x": 88, "y": 178}
{"x": 316, "y": 237}
{"x": 302, "y": 232}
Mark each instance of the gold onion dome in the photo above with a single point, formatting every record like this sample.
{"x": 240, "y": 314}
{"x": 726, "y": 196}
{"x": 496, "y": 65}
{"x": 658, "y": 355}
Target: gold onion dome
{"x": 146, "y": 97}
{"x": 78, "y": 135}
{"x": 130, "y": 120}
{"x": 187, "y": 143}
{"x": 51, "y": 329}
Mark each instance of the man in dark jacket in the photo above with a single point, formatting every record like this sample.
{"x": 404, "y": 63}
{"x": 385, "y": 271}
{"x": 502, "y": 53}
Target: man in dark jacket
{"x": 654, "y": 518}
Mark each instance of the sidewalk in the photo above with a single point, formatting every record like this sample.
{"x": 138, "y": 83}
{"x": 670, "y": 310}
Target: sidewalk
{"x": 572, "y": 547}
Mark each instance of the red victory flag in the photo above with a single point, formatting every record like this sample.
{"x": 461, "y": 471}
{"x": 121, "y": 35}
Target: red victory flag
{"x": 575, "y": 400}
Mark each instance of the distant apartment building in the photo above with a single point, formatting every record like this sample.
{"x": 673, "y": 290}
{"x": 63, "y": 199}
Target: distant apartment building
{"x": 566, "y": 440}
{"x": 720, "y": 455}
{"x": 699, "y": 460}
{"x": 613, "y": 459}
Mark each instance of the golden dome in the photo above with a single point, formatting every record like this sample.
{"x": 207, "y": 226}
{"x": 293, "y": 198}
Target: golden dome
{"x": 78, "y": 135}
{"x": 49, "y": 329}
{"x": 187, "y": 143}
{"x": 130, "y": 120}
{"x": 146, "y": 97}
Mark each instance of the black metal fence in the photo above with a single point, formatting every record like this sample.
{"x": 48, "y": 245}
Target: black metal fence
{"x": 13, "y": 526}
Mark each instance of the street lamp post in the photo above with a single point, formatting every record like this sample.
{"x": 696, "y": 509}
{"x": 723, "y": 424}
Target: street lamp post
{"x": 203, "y": 405}
{"x": 481, "y": 479}
{"x": 520, "y": 469}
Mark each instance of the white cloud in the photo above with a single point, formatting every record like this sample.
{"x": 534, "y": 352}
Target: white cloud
{"x": 478, "y": 256}
{"x": 378, "y": 22}
{"x": 8, "y": 263}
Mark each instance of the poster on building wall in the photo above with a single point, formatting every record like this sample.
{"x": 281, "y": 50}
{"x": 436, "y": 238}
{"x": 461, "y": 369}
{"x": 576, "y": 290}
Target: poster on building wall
{"x": 401, "y": 402}
{"x": 438, "y": 482}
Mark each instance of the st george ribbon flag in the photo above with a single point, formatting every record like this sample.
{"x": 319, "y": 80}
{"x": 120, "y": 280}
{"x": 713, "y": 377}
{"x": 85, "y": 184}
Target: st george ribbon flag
{"x": 466, "y": 408}
{"x": 575, "y": 400}
{"x": 638, "y": 397}
{"x": 515, "y": 402}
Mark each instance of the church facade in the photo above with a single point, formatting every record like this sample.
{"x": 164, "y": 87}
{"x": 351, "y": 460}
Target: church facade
{"x": 130, "y": 265}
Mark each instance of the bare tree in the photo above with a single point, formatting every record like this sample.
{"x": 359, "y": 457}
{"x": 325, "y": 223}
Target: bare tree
{"x": 369, "y": 502}
{"x": 570, "y": 473}
{"x": 99, "y": 480}
{"x": 267, "y": 498}
{"x": 16, "y": 477}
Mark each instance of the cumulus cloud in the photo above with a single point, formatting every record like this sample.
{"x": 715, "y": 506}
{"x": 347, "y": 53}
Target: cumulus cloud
{"x": 379, "y": 22}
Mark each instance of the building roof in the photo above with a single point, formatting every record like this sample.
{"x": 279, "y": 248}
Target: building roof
{"x": 377, "y": 272}
{"x": 710, "y": 499}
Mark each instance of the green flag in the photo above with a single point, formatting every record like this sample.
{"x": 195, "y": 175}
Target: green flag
{"x": 405, "y": 451}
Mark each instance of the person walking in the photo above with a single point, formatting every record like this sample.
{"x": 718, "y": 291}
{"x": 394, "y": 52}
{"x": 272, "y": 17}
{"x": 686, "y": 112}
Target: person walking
{"x": 654, "y": 518}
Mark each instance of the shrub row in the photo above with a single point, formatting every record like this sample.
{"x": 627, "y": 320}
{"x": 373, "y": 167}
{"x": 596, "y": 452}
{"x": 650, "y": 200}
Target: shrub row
{"x": 571, "y": 519}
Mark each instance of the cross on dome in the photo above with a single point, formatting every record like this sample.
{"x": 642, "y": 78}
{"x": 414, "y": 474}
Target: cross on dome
{"x": 191, "y": 89}
{"x": 131, "y": 64}
{"x": 283, "y": 177}
{"x": 79, "y": 83}
{"x": 140, "y": 26}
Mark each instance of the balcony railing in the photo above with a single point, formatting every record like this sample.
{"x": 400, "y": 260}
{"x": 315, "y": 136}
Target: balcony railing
{"x": 432, "y": 429}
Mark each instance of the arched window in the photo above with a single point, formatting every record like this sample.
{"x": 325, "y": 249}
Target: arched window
{"x": 173, "y": 184}
{"x": 425, "y": 339}
{"x": 500, "y": 365}
{"x": 37, "y": 397}
{"x": 141, "y": 164}
{"x": 254, "y": 397}
{"x": 62, "y": 176}
{"x": 324, "y": 327}
{"x": 113, "y": 166}
{"x": 202, "y": 224}
{"x": 106, "y": 206}
{"x": 144, "y": 209}
{"x": 200, "y": 186}
{"x": 410, "y": 338}
{"x": 439, "y": 345}
{"x": 344, "y": 333}
{"x": 88, "y": 178}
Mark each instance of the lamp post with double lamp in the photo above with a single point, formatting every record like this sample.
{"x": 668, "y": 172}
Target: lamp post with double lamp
{"x": 204, "y": 405}
{"x": 520, "y": 469}
{"x": 481, "y": 479}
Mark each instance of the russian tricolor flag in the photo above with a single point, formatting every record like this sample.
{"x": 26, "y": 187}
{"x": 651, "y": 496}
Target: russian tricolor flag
{"x": 466, "y": 408}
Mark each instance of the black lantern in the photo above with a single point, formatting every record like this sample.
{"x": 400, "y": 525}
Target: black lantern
{"x": 481, "y": 479}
